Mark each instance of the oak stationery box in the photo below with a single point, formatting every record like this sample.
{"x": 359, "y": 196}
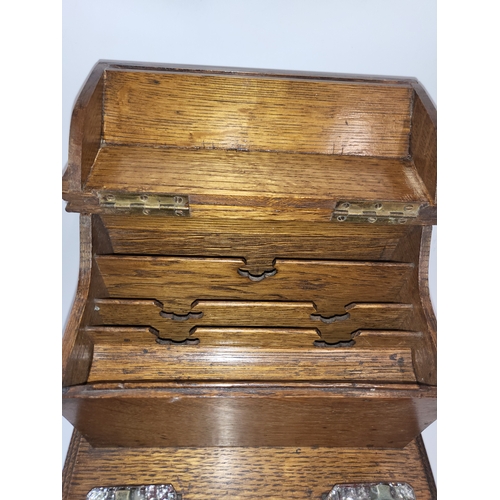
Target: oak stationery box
{"x": 254, "y": 253}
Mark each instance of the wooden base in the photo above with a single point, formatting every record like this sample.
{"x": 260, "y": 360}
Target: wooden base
{"x": 244, "y": 473}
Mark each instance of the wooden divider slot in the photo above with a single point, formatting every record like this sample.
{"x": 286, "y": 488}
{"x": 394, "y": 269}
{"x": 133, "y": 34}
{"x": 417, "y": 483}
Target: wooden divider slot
{"x": 178, "y": 282}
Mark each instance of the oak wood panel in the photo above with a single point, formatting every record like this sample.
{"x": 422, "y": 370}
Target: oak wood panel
{"x": 85, "y": 130}
{"x": 258, "y": 244}
{"x": 250, "y": 314}
{"x": 205, "y": 174}
{"x": 280, "y": 338}
{"x": 423, "y": 139}
{"x": 233, "y": 112}
{"x": 416, "y": 248}
{"x": 77, "y": 345}
{"x": 178, "y": 282}
{"x": 387, "y": 338}
{"x": 147, "y": 361}
{"x": 250, "y": 415}
{"x": 246, "y": 473}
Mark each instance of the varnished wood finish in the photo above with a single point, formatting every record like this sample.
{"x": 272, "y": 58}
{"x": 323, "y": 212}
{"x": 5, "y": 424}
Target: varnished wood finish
{"x": 251, "y": 178}
{"x": 258, "y": 244}
{"x": 86, "y": 130}
{"x": 246, "y": 473}
{"x": 77, "y": 345}
{"x": 423, "y": 140}
{"x": 251, "y": 414}
{"x": 178, "y": 282}
{"x": 264, "y": 143}
{"x": 258, "y": 314}
{"x": 415, "y": 248}
{"x": 146, "y": 360}
{"x": 256, "y": 113}
{"x": 235, "y": 290}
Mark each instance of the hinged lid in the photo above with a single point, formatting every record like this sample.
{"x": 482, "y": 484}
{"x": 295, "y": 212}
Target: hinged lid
{"x": 247, "y": 144}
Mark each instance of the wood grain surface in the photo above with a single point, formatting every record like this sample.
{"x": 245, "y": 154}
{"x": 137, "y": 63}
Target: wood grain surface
{"x": 178, "y": 282}
{"x": 233, "y": 112}
{"x": 258, "y": 280}
{"x": 77, "y": 345}
{"x": 415, "y": 248}
{"x": 250, "y": 314}
{"x": 423, "y": 139}
{"x": 258, "y": 244}
{"x": 145, "y": 360}
{"x": 85, "y": 130}
{"x": 361, "y": 414}
{"x": 245, "y": 473}
{"x": 280, "y": 146}
{"x": 201, "y": 173}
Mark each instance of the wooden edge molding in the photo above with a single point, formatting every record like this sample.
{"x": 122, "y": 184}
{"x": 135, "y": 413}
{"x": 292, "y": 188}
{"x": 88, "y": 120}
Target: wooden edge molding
{"x": 247, "y": 389}
{"x": 427, "y": 466}
{"x": 69, "y": 463}
{"x": 72, "y": 179}
{"x": 423, "y": 283}
{"x": 426, "y": 101}
{"x": 423, "y": 138}
{"x": 257, "y": 72}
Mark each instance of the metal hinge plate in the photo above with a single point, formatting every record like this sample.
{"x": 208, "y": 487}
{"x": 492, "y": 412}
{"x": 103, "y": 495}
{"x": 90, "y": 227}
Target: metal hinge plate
{"x": 375, "y": 212}
{"x": 146, "y": 203}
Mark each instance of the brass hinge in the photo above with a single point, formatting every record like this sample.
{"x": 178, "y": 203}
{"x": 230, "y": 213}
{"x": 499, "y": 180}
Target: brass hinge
{"x": 375, "y": 212}
{"x": 145, "y": 203}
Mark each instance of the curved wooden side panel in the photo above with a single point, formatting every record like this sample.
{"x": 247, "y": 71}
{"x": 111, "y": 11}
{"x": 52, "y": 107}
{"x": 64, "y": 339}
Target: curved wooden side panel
{"x": 77, "y": 345}
{"x": 416, "y": 248}
{"x": 423, "y": 283}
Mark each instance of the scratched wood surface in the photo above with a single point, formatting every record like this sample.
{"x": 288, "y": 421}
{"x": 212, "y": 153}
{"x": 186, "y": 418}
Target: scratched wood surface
{"x": 178, "y": 282}
{"x": 232, "y": 112}
{"x": 133, "y": 355}
{"x": 203, "y": 174}
{"x": 245, "y": 473}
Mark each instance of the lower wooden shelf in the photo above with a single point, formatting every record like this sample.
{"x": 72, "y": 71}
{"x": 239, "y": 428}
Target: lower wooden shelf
{"x": 244, "y": 473}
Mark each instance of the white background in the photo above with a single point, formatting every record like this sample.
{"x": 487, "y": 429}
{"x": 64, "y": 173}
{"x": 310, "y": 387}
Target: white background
{"x": 357, "y": 36}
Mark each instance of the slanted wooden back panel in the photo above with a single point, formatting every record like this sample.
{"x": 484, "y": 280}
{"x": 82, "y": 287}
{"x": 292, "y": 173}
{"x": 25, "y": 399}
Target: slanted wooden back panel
{"x": 257, "y": 113}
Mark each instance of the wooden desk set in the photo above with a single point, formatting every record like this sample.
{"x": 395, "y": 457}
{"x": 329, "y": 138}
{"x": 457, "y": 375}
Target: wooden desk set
{"x": 252, "y": 318}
